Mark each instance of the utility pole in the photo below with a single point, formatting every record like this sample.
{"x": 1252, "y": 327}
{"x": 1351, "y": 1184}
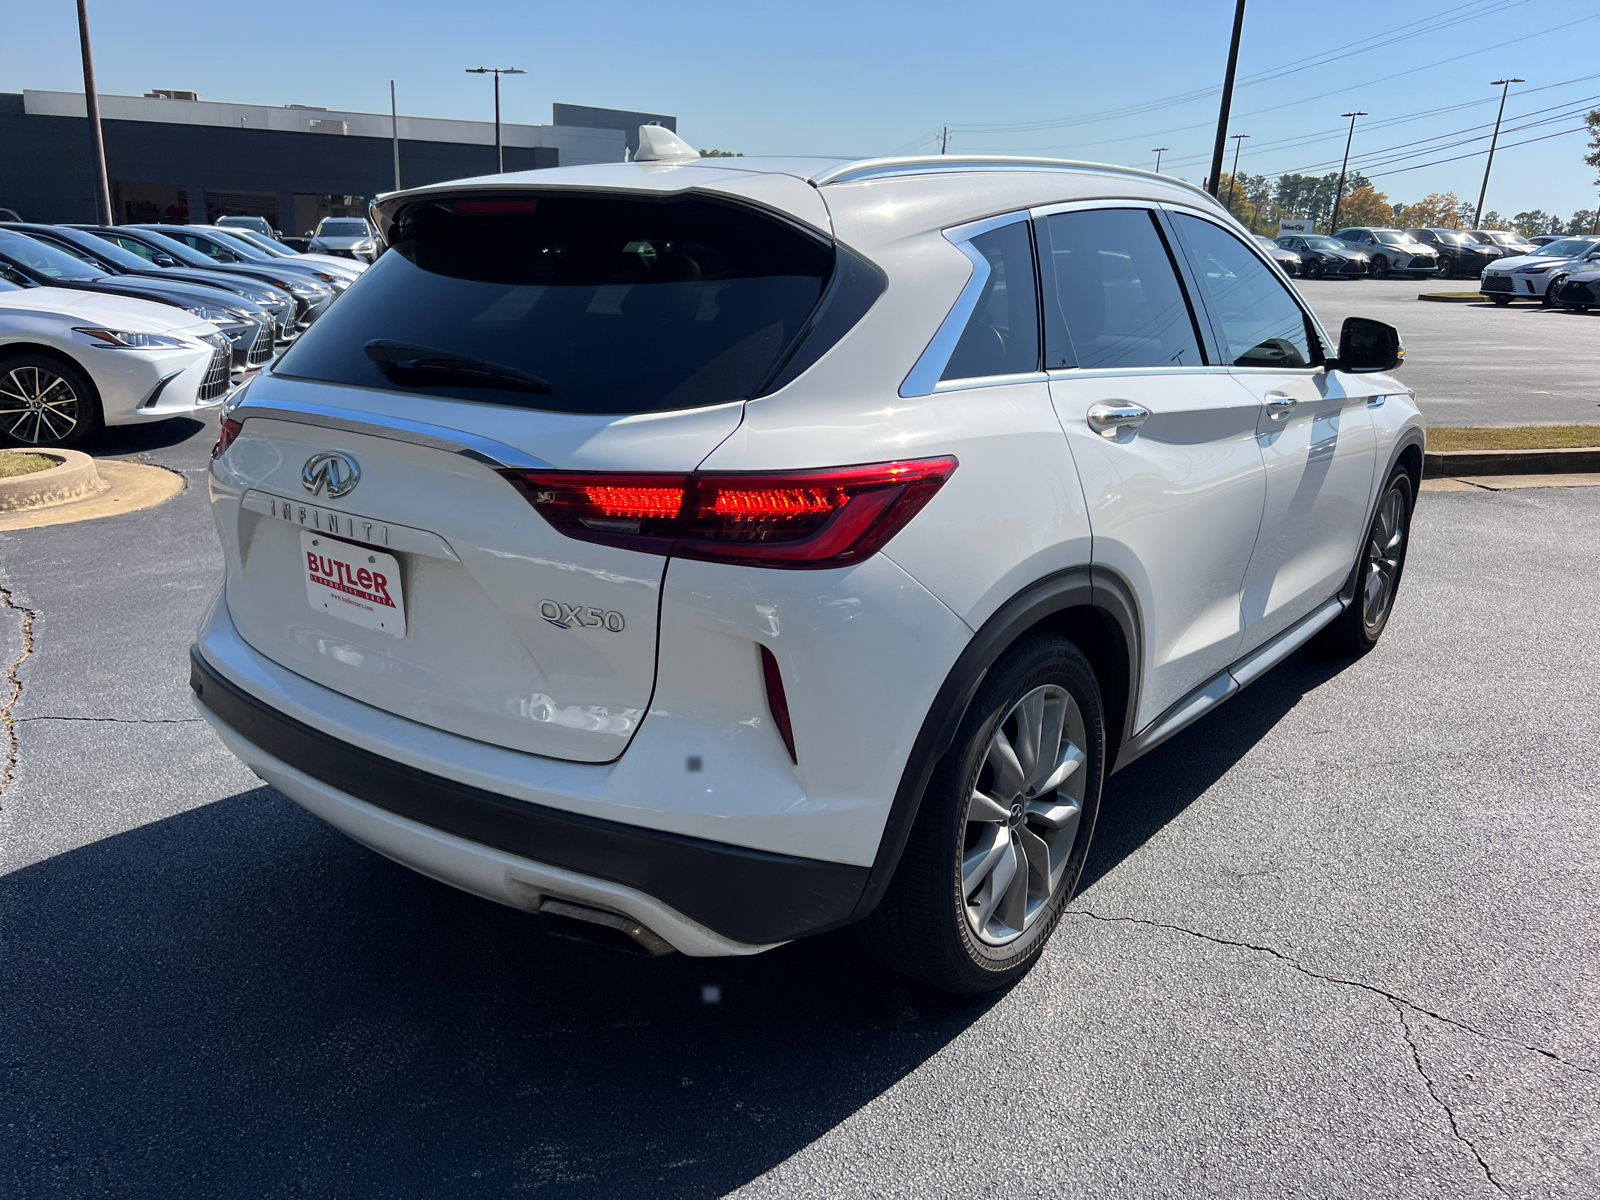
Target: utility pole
{"x": 944, "y": 138}
{"x": 394, "y": 134}
{"x": 91, "y": 103}
{"x": 1505, "y": 87}
{"x": 1338, "y": 192}
{"x": 1159, "y": 150}
{"x": 1214, "y": 180}
{"x": 499, "y": 151}
{"x": 1238, "y": 140}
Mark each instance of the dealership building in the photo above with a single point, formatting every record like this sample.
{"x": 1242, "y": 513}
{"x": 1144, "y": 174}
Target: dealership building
{"x": 175, "y": 156}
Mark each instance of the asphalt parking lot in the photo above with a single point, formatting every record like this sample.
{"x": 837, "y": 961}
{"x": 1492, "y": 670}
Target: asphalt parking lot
{"x": 1338, "y": 939}
{"x": 1472, "y": 363}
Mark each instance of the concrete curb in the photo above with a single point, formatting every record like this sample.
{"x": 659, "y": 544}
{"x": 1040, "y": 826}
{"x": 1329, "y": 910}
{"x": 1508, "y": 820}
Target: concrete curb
{"x": 1452, "y": 297}
{"x": 1568, "y": 460}
{"x": 72, "y": 478}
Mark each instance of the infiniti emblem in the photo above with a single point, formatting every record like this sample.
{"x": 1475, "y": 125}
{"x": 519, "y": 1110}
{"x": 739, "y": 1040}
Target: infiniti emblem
{"x": 334, "y": 471}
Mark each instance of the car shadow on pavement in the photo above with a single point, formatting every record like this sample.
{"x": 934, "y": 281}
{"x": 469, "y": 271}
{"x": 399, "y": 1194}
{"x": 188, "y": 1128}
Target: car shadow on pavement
{"x": 1143, "y": 797}
{"x": 117, "y": 441}
{"x": 238, "y": 1001}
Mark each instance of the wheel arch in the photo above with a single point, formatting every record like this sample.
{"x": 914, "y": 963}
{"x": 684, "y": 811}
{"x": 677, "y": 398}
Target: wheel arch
{"x": 20, "y": 349}
{"x": 1096, "y": 610}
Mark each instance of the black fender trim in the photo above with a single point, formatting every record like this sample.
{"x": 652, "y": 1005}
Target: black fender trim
{"x": 1079, "y": 588}
{"x": 751, "y": 896}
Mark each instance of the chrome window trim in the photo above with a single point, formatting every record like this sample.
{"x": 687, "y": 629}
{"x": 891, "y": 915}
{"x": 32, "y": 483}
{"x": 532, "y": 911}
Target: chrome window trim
{"x": 1068, "y": 373}
{"x": 396, "y": 429}
{"x": 1329, "y": 348}
{"x": 961, "y": 385}
{"x": 923, "y": 378}
{"x": 1050, "y": 210}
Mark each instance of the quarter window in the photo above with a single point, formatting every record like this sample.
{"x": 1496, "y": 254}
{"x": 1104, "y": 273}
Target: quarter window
{"x": 1112, "y": 296}
{"x": 1002, "y": 335}
{"x": 1259, "y": 323}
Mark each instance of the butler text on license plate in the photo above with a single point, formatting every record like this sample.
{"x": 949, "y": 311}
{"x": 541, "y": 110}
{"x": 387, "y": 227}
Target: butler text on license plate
{"x": 352, "y": 582}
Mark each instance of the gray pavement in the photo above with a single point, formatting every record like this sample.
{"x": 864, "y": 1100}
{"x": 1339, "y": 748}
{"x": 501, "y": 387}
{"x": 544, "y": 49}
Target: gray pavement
{"x": 1339, "y": 939}
{"x": 1473, "y": 363}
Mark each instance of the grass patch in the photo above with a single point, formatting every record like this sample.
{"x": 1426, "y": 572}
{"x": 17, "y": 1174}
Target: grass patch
{"x": 24, "y": 464}
{"x": 1517, "y": 437}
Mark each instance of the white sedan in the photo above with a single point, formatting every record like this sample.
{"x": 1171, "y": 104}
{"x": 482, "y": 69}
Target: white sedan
{"x": 73, "y": 361}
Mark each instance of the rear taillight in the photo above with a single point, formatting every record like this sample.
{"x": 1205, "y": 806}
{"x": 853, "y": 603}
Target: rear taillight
{"x": 796, "y": 519}
{"x": 230, "y": 430}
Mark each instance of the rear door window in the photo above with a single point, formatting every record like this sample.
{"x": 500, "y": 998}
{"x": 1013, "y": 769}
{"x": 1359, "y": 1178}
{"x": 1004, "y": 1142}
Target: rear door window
{"x": 573, "y": 303}
{"x": 1256, "y": 319}
{"x": 1002, "y": 335}
{"x": 1112, "y": 295}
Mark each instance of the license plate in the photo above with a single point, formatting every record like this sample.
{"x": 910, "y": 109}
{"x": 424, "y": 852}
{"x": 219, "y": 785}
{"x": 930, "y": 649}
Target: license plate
{"x": 354, "y": 583}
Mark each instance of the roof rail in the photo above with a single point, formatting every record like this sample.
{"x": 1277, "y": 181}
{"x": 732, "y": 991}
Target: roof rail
{"x": 933, "y": 164}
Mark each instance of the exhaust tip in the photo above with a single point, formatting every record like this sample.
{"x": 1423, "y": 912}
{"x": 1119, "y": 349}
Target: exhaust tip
{"x": 640, "y": 938}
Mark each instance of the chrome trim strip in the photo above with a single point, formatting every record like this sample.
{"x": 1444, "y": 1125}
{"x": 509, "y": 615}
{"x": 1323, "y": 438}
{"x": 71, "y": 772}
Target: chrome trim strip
{"x": 396, "y": 429}
{"x": 1223, "y": 684}
{"x": 923, "y": 378}
{"x": 1259, "y": 662}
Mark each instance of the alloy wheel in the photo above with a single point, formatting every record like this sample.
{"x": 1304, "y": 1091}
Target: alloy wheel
{"x": 1023, "y": 815}
{"x": 37, "y": 406}
{"x": 1553, "y": 289}
{"x": 1385, "y": 552}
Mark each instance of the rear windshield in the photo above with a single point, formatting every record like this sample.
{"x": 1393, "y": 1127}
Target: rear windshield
{"x": 351, "y": 227}
{"x": 573, "y": 304}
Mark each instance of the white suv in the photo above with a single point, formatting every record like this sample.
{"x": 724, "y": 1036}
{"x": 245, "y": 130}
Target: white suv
{"x": 731, "y": 551}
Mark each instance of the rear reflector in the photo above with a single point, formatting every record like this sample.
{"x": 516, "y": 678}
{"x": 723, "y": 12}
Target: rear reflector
{"x": 795, "y": 519}
{"x": 777, "y": 702}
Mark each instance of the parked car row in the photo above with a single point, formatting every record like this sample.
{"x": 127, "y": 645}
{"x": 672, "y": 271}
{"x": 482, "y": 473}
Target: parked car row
{"x": 1359, "y": 251}
{"x": 1560, "y": 273}
{"x": 194, "y": 310}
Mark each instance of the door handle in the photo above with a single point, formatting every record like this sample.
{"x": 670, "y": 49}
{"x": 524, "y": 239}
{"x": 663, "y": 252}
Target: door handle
{"x": 1109, "y": 420}
{"x": 1280, "y": 408}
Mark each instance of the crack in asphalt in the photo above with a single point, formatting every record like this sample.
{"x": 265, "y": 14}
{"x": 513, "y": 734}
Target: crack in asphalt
{"x": 1450, "y": 1114}
{"x": 122, "y": 720}
{"x": 11, "y": 687}
{"x": 1355, "y": 983}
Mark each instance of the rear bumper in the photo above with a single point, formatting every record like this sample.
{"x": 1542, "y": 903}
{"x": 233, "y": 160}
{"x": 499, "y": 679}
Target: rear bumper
{"x": 703, "y": 897}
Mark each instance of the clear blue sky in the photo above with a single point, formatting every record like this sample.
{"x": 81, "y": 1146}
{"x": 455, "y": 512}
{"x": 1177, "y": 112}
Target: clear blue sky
{"x": 868, "y": 77}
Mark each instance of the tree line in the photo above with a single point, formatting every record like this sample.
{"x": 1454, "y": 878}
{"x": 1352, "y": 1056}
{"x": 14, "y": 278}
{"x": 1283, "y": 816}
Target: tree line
{"x": 1260, "y": 202}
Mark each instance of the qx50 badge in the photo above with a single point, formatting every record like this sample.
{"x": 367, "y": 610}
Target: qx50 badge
{"x": 566, "y": 616}
{"x": 335, "y": 471}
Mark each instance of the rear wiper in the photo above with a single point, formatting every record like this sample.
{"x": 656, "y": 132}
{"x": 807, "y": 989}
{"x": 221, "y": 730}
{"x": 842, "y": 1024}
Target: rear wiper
{"x": 405, "y": 362}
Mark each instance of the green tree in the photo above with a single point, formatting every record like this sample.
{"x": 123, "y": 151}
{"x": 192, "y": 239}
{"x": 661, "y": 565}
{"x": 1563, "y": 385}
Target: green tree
{"x": 1583, "y": 221}
{"x": 1593, "y": 157}
{"x": 1535, "y": 222}
{"x": 1437, "y": 210}
{"x": 1365, "y": 206}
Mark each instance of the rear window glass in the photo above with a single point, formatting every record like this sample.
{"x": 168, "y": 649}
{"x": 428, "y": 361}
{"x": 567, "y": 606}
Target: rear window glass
{"x": 1002, "y": 335}
{"x": 573, "y": 304}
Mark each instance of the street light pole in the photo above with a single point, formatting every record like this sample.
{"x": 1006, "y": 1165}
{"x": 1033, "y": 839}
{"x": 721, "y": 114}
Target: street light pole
{"x": 1238, "y": 140}
{"x": 499, "y": 150}
{"x": 1214, "y": 180}
{"x": 1505, "y": 88}
{"x": 394, "y": 134}
{"x": 91, "y": 103}
{"x": 1338, "y": 192}
{"x": 1159, "y": 150}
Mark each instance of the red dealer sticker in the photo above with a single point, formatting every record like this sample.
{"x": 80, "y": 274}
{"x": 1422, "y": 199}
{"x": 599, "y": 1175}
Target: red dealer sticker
{"x": 354, "y": 583}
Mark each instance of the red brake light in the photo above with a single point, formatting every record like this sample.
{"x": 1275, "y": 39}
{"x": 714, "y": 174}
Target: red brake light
{"x": 795, "y": 519}
{"x": 230, "y": 430}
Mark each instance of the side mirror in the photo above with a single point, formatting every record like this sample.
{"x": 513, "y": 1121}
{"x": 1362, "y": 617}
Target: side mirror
{"x": 162, "y": 260}
{"x": 1366, "y": 345}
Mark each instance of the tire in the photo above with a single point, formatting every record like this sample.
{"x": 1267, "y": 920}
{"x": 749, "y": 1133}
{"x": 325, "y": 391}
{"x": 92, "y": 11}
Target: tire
{"x": 1501, "y": 301}
{"x": 989, "y": 864}
{"x": 1380, "y": 268}
{"x": 1551, "y": 290}
{"x": 45, "y": 402}
{"x": 1314, "y": 269}
{"x": 1381, "y": 562}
